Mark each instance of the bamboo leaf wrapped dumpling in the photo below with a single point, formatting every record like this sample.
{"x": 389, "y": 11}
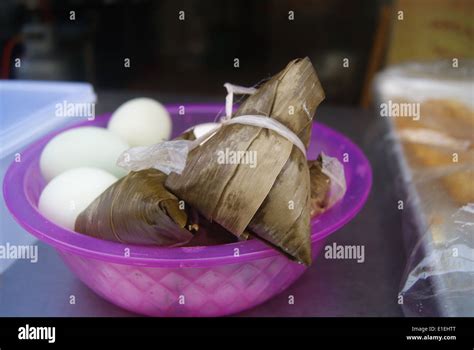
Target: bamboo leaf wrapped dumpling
{"x": 137, "y": 209}
{"x": 272, "y": 198}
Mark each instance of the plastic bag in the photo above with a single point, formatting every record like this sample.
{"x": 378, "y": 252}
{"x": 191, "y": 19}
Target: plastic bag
{"x": 434, "y": 152}
{"x": 165, "y": 156}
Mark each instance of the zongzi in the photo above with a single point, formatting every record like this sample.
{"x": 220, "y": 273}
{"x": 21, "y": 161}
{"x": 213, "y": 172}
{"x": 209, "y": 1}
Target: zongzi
{"x": 320, "y": 183}
{"x": 138, "y": 209}
{"x": 271, "y": 199}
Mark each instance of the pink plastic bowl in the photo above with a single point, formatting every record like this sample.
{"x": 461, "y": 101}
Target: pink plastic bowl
{"x": 193, "y": 281}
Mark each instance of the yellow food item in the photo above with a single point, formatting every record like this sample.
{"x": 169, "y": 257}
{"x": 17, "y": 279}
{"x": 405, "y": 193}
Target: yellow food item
{"x": 455, "y": 167}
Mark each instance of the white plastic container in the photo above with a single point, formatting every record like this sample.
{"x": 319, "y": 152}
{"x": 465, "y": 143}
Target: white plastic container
{"x": 28, "y": 110}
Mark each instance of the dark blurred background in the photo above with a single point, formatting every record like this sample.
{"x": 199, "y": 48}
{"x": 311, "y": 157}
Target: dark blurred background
{"x": 196, "y": 55}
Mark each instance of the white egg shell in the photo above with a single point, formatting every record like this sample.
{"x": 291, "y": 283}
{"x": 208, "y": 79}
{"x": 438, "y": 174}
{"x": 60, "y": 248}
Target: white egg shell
{"x": 141, "y": 122}
{"x": 87, "y": 146}
{"x": 204, "y": 128}
{"x": 69, "y": 193}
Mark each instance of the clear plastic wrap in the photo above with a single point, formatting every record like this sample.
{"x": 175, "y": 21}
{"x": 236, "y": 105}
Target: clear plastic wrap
{"x": 169, "y": 156}
{"x": 433, "y": 149}
{"x": 333, "y": 169}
